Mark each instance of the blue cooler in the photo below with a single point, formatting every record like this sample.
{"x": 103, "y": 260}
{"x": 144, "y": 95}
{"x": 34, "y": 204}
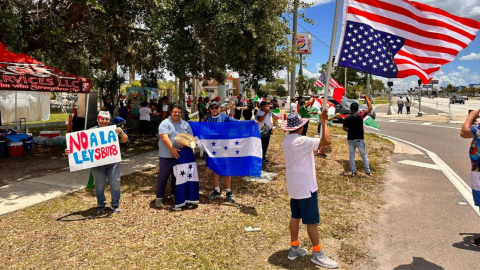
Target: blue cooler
{"x": 27, "y": 144}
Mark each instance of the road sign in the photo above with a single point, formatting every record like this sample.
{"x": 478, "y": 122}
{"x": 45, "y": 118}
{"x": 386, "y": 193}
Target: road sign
{"x": 433, "y": 81}
{"x": 427, "y": 86}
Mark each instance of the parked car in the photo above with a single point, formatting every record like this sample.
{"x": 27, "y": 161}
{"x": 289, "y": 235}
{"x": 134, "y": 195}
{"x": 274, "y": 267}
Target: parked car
{"x": 72, "y": 97}
{"x": 465, "y": 97}
{"x": 344, "y": 108}
{"x": 457, "y": 99}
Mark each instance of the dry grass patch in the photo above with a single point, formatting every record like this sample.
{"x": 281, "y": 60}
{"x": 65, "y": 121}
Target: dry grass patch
{"x": 66, "y": 233}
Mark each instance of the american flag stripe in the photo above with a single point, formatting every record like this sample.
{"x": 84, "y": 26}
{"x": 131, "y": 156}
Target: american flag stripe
{"x": 423, "y": 38}
{"x": 404, "y": 13}
{"x": 405, "y": 30}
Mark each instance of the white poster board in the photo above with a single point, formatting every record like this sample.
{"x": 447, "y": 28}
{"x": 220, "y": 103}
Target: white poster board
{"x": 93, "y": 148}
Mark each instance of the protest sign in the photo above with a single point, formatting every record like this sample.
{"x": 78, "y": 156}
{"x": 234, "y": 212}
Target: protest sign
{"x": 93, "y": 148}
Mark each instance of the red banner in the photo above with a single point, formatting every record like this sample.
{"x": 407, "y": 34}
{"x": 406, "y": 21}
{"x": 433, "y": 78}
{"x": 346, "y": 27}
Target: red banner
{"x": 21, "y": 72}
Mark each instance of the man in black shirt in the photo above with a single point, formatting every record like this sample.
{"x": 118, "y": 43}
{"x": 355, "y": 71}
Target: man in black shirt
{"x": 353, "y": 125}
{"x": 238, "y": 107}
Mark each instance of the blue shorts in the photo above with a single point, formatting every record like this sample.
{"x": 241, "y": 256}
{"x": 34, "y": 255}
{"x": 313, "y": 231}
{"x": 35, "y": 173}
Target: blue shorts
{"x": 306, "y": 209}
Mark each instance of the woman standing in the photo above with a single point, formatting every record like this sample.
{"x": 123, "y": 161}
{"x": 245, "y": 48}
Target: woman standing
{"x": 201, "y": 109}
{"x": 247, "y": 114}
{"x": 407, "y": 105}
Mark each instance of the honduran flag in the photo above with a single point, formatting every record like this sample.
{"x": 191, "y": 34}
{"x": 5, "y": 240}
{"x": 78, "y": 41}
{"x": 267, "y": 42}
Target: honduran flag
{"x": 233, "y": 148}
{"x": 185, "y": 171}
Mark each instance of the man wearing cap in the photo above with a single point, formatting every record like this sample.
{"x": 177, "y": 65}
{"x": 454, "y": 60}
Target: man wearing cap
{"x": 264, "y": 118}
{"x": 110, "y": 171}
{"x": 168, "y": 150}
{"x": 218, "y": 117}
{"x": 353, "y": 125}
{"x": 302, "y": 185}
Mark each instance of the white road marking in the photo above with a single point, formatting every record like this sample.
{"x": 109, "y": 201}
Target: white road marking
{"x": 454, "y": 178}
{"x": 427, "y": 124}
{"x": 419, "y": 164}
{"x": 418, "y": 124}
{"x": 393, "y": 121}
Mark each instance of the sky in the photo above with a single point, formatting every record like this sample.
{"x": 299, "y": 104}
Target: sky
{"x": 464, "y": 70}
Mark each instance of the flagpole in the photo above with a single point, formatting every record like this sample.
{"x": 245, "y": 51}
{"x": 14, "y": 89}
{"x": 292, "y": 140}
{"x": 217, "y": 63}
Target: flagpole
{"x": 332, "y": 45}
{"x": 294, "y": 51}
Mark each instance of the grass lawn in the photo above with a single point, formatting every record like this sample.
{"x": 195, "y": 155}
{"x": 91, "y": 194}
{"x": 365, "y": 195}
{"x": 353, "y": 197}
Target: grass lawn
{"x": 66, "y": 233}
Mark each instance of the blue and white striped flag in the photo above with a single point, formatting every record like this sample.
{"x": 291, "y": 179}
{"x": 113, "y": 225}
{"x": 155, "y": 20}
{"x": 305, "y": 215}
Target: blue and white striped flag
{"x": 186, "y": 174}
{"x": 233, "y": 148}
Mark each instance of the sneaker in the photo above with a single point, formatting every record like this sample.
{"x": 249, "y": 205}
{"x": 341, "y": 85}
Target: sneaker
{"x": 116, "y": 209}
{"x": 214, "y": 194}
{"x": 158, "y": 202}
{"x": 354, "y": 174}
{"x": 230, "y": 197}
{"x": 320, "y": 258}
{"x": 101, "y": 210}
{"x": 369, "y": 174}
{"x": 294, "y": 253}
{"x": 177, "y": 208}
{"x": 189, "y": 205}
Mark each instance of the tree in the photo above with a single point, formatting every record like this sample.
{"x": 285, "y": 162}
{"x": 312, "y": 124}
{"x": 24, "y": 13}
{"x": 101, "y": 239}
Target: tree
{"x": 281, "y": 91}
{"x": 109, "y": 84}
{"x": 376, "y": 85}
{"x": 81, "y": 36}
{"x": 301, "y": 85}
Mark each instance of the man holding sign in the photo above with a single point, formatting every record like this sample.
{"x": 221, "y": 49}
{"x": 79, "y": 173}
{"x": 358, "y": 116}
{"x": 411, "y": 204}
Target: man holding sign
{"x": 98, "y": 149}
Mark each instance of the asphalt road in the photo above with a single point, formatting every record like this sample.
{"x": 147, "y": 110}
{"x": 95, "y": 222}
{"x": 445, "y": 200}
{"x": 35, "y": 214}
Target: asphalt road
{"x": 425, "y": 223}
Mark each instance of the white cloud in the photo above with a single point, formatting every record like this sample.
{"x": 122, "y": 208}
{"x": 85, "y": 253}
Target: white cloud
{"x": 472, "y": 56}
{"x": 465, "y": 8}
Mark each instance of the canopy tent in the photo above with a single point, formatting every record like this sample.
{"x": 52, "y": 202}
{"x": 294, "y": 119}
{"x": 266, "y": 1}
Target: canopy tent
{"x": 19, "y": 72}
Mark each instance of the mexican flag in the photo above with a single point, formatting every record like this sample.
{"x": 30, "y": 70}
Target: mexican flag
{"x": 316, "y": 107}
{"x": 278, "y": 113}
{"x": 370, "y": 122}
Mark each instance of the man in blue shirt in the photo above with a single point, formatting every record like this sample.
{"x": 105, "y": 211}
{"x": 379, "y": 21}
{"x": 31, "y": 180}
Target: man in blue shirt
{"x": 168, "y": 150}
{"x": 216, "y": 116}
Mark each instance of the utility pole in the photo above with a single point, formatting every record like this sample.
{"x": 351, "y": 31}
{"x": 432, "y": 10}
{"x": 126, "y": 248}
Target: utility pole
{"x": 345, "y": 94}
{"x": 368, "y": 85}
{"x": 419, "y": 98}
{"x": 300, "y": 71}
{"x": 294, "y": 51}
{"x": 390, "y": 84}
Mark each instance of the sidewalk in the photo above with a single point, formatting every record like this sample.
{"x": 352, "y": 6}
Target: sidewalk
{"x": 19, "y": 195}
{"x": 437, "y": 118}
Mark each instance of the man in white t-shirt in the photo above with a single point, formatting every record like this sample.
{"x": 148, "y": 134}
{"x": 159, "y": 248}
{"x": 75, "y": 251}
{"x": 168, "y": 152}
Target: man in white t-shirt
{"x": 302, "y": 185}
{"x": 145, "y": 113}
{"x": 293, "y": 108}
{"x": 264, "y": 118}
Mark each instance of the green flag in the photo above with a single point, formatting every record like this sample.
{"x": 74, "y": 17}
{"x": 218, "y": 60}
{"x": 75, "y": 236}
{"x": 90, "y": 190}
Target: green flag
{"x": 90, "y": 183}
{"x": 255, "y": 99}
{"x": 370, "y": 122}
{"x": 320, "y": 89}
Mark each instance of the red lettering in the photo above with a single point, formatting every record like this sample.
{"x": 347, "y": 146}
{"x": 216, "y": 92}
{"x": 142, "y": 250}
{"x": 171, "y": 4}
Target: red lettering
{"x": 97, "y": 154}
{"x": 17, "y": 79}
{"x": 72, "y": 143}
{"x": 84, "y": 140}
{"x": 114, "y": 150}
{"x": 76, "y": 84}
{"x": 50, "y": 81}
{"x": 30, "y": 80}
{"x": 104, "y": 154}
{"x": 60, "y": 83}
{"x": 7, "y": 79}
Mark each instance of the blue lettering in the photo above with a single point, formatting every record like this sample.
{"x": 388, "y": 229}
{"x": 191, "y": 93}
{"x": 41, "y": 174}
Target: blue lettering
{"x": 93, "y": 139}
{"x": 102, "y": 137}
{"x": 85, "y": 155}
{"x": 75, "y": 157}
{"x": 90, "y": 152}
{"x": 112, "y": 136}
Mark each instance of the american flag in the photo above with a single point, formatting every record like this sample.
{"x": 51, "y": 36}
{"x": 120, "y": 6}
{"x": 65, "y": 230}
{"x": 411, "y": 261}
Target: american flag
{"x": 338, "y": 89}
{"x": 399, "y": 38}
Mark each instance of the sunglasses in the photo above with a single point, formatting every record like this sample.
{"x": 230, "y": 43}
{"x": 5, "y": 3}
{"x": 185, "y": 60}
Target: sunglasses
{"x": 213, "y": 108}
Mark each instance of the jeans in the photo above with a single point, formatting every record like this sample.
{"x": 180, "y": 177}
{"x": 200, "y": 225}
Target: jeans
{"x": 400, "y": 109}
{"x": 112, "y": 171}
{"x": 305, "y": 129}
{"x": 408, "y": 109}
{"x": 265, "y": 142}
{"x": 166, "y": 169}
{"x": 360, "y": 145}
